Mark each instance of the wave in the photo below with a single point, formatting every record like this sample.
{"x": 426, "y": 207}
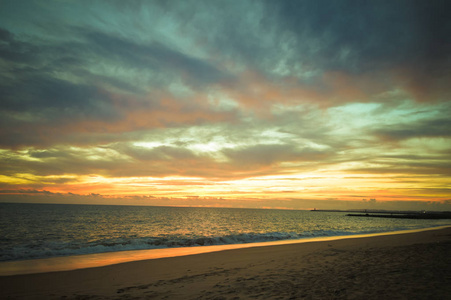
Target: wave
{"x": 46, "y": 249}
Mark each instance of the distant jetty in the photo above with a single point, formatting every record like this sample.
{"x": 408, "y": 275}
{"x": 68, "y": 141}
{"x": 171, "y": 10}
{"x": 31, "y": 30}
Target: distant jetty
{"x": 393, "y": 214}
{"x": 435, "y": 215}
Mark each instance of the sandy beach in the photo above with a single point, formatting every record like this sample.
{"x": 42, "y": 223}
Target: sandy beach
{"x": 402, "y": 266}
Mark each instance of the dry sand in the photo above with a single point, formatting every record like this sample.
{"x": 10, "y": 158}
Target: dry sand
{"x": 404, "y": 266}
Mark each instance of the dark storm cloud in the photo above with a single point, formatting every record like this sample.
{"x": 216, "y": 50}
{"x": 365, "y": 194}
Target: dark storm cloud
{"x": 403, "y": 44}
{"x": 21, "y": 55}
{"x": 29, "y": 84}
{"x": 13, "y": 50}
{"x": 155, "y": 56}
{"x": 61, "y": 98}
{"x": 94, "y": 46}
{"x": 37, "y": 103}
{"x": 376, "y": 34}
{"x": 395, "y": 44}
{"x": 426, "y": 128}
{"x": 34, "y": 109}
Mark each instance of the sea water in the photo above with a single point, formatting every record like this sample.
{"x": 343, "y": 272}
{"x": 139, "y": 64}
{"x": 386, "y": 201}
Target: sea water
{"x": 31, "y": 231}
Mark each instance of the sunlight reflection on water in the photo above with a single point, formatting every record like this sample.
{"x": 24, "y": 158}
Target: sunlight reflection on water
{"x": 30, "y": 231}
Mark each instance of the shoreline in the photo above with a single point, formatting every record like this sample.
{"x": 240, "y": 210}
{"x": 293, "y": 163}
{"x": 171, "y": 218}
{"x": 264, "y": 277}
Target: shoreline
{"x": 94, "y": 260}
{"x": 403, "y": 265}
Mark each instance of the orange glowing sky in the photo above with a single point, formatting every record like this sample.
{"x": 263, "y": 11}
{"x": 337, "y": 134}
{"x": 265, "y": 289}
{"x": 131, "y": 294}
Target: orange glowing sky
{"x": 266, "y": 104}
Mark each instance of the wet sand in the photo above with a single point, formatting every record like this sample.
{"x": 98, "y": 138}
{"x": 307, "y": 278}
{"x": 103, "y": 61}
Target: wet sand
{"x": 402, "y": 266}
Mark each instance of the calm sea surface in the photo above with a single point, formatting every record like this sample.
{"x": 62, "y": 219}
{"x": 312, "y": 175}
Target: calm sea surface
{"x": 29, "y": 231}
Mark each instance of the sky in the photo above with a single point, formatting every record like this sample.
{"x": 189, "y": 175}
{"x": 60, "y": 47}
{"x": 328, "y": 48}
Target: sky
{"x": 262, "y": 104}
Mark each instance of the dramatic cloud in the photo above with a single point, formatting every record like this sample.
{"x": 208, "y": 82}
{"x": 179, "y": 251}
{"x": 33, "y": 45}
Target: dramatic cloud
{"x": 427, "y": 128}
{"x": 262, "y": 101}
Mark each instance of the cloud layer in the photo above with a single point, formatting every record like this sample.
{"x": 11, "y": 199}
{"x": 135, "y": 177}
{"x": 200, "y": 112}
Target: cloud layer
{"x": 227, "y": 97}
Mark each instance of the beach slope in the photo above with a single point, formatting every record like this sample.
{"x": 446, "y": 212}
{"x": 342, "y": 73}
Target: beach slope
{"x": 407, "y": 266}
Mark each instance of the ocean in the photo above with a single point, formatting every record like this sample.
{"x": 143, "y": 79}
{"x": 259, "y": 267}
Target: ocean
{"x": 32, "y": 231}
